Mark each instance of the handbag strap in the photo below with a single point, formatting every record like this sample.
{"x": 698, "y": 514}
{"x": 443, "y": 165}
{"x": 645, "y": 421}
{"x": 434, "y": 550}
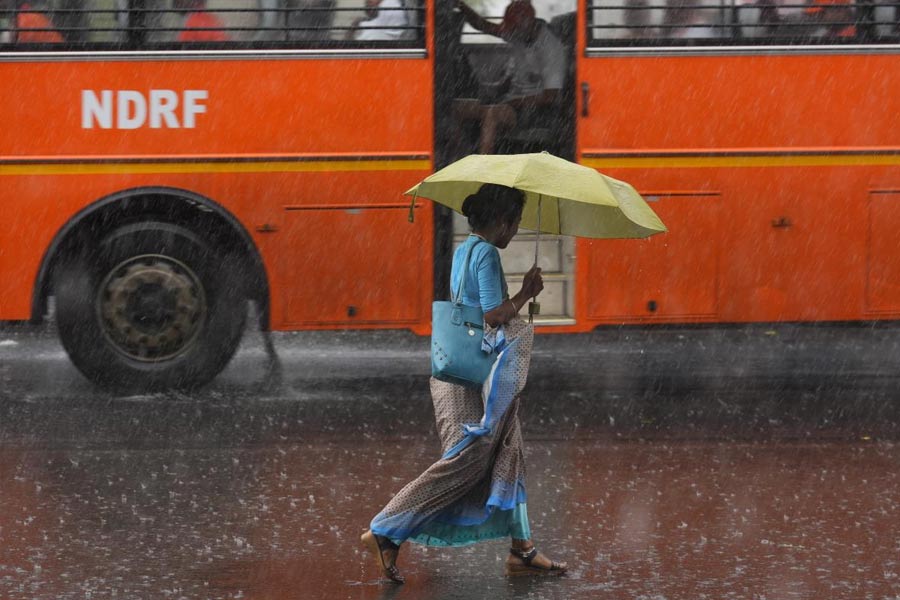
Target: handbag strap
{"x": 457, "y": 298}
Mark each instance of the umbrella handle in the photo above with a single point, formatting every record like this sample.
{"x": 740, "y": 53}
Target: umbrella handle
{"x": 534, "y": 308}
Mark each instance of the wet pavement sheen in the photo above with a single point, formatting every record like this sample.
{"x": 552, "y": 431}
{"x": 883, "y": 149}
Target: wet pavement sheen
{"x": 633, "y": 519}
{"x": 690, "y": 463}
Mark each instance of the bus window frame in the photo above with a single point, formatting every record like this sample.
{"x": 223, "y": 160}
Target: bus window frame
{"x": 867, "y": 32}
{"x": 134, "y": 39}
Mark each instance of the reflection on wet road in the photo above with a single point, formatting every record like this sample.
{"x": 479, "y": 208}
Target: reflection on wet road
{"x": 663, "y": 470}
{"x": 657, "y": 520}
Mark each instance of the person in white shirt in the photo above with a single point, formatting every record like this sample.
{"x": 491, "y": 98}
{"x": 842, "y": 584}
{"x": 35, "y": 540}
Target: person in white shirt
{"x": 385, "y": 21}
{"x": 534, "y": 75}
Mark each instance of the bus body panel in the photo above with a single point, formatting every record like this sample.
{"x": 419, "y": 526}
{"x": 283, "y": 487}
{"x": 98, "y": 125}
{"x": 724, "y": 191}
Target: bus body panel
{"x": 794, "y": 247}
{"x": 298, "y": 151}
{"x": 883, "y": 266}
{"x": 252, "y": 107}
{"x": 755, "y": 101}
{"x": 295, "y": 251}
{"x": 772, "y": 174}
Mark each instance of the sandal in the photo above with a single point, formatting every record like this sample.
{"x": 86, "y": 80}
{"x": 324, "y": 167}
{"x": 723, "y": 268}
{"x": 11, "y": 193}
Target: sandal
{"x": 516, "y": 569}
{"x": 378, "y": 545}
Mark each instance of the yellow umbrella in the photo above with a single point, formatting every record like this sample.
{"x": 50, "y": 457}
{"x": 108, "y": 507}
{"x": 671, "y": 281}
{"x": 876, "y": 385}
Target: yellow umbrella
{"x": 561, "y": 197}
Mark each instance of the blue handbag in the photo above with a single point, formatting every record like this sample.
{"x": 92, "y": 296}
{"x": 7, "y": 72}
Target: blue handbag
{"x": 456, "y": 334}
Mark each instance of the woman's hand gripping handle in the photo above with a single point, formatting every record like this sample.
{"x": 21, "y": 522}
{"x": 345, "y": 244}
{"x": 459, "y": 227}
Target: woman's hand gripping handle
{"x": 532, "y": 285}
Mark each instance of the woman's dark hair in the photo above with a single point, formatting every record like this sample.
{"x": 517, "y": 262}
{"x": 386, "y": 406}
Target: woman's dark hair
{"x": 493, "y": 203}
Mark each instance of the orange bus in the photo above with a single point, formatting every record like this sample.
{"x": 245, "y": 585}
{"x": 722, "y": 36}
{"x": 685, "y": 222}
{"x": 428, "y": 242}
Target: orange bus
{"x": 154, "y": 181}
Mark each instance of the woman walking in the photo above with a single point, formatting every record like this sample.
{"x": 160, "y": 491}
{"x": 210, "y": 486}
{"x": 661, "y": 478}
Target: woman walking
{"x": 476, "y": 491}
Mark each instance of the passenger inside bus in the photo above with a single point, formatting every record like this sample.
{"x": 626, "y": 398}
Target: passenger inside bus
{"x": 834, "y": 19}
{"x": 529, "y": 87}
{"x": 687, "y": 19}
{"x": 637, "y": 20}
{"x": 200, "y": 25}
{"x": 308, "y": 20}
{"x": 385, "y": 20}
{"x": 31, "y": 25}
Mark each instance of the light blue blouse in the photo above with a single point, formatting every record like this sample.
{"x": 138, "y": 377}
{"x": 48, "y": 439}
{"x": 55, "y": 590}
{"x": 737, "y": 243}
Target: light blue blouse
{"x": 485, "y": 282}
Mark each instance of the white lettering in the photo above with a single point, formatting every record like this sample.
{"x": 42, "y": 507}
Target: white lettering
{"x": 162, "y": 108}
{"x": 131, "y": 110}
{"x": 192, "y": 106}
{"x": 95, "y": 109}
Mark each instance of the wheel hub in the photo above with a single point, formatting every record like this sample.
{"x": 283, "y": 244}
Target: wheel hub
{"x": 151, "y": 307}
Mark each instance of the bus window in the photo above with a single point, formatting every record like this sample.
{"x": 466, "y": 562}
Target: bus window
{"x": 830, "y": 19}
{"x": 28, "y": 23}
{"x": 704, "y": 22}
{"x": 186, "y": 24}
{"x": 194, "y": 21}
{"x": 94, "y": 21}
{"x": 383, "y": 21}
{"x": 886, "y": 19}
{"x": 655, "y": 20}
{"x": 310, "y": 20}
{"x": 693, "y": 19}
{"x": 637, "y": 20}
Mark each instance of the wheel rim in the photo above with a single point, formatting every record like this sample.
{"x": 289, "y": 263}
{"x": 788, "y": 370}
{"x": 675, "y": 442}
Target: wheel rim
{"x": 151, "y": 307}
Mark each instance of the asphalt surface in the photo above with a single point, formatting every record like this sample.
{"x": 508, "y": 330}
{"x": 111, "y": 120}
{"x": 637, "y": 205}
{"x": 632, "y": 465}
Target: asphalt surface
{"x": 678, "y": 462}
{"x": 740, "y": 382}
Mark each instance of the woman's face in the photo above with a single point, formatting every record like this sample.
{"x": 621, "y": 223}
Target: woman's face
{"x": 508, "y": 231}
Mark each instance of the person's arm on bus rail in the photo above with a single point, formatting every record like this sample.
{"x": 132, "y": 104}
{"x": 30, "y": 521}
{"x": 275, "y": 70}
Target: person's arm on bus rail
{"x": 477, "y": 21}
{"x": 534, "y": 76}
{"x": 522, "y": 30}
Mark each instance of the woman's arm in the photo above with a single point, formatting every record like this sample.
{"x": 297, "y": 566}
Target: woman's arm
{"x": 532, "y": 284}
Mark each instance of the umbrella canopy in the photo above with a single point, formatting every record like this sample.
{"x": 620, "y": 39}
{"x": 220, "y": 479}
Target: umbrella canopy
{"x": 573, "y": 199}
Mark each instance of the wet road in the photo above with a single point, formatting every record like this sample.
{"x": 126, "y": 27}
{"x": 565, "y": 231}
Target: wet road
{"x": 744, "y": 462}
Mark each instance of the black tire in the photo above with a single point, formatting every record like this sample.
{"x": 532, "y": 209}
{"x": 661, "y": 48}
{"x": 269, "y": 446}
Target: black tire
{"x": 151, "y": 308}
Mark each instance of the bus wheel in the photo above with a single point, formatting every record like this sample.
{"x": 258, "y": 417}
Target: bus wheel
{"x": 153, "y": 307}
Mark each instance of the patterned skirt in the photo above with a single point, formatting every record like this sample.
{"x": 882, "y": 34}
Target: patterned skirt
{"x": 476, "y": 491}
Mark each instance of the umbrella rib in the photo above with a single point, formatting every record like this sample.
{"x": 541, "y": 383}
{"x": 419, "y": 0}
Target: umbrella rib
{"x": 519, "y": 174}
